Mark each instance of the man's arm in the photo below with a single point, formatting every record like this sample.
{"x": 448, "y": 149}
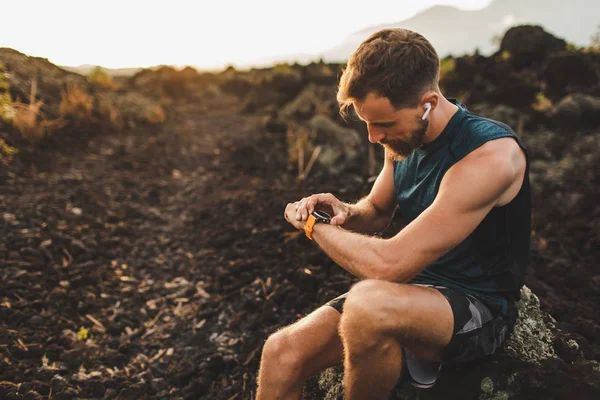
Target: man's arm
{"x": 373, "y": 213}
{"x": 469, "y": 190}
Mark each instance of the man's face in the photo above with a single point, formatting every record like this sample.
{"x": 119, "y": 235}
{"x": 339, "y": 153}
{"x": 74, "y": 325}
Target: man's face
{"x": 399, "y": 131}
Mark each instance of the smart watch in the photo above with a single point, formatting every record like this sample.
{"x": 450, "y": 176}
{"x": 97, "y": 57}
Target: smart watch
{"x": 313, "y": 218}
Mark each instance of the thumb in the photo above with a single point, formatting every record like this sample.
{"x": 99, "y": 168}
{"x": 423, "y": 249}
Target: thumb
{"x": 338, "y": 220}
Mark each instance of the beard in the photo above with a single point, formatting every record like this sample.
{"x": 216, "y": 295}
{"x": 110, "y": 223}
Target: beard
{"x": 400, "y": 149}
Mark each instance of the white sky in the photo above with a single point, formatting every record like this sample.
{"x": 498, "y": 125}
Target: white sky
{"x": 133, "y": 33}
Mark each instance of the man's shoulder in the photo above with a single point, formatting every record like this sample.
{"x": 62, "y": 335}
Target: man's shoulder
{"x": 495, "y": 156}
{"x": 474, "y": 121}
{"x": 486, "y": 126}
{"x": 484, "y": 137}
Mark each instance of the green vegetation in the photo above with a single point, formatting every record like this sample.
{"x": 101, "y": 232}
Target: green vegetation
{"x": 595, "y": 43}
{"x": 505, "y": 55}
{"x": 282, "y": 68}
{"x": 572, "y": 48}
{"x": 5, "y": 100}
{"x": 99, "y": 77}
{"x": 542, "y": 103}
{"x": 83, "y": 334}
{"x": 447, "y": 68}
{"x": 6, "y": 152}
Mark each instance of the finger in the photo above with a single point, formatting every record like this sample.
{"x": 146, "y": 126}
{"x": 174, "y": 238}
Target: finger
{"x": 299, "y": 203}
{"x": 312, "y": 202}
{"x": 331, "y": 199}
{"x": 301, "y": 213}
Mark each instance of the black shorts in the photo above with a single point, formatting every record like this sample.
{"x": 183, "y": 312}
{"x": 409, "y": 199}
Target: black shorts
{"x": 477, "y": 331}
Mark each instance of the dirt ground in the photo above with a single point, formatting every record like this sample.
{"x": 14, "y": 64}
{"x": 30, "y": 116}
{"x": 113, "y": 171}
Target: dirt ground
{"x": 170, "y": 248}
{"x": 153, "y": 262}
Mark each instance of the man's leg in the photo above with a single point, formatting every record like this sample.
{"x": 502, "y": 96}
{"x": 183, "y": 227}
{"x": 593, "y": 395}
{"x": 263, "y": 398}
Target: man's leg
{"x": 379, "y": 319}
{"x": 293, "y": 354}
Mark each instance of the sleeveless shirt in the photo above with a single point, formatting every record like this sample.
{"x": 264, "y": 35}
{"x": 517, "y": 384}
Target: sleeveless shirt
{"x": 490, "y": 263}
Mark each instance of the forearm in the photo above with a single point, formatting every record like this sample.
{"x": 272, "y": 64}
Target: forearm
{"x": 365, "y": 218}
{"x": 365, "y": 257}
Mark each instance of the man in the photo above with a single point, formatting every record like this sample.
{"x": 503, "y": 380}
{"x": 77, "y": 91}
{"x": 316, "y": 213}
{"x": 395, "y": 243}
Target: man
{"x": 443, "y": 289}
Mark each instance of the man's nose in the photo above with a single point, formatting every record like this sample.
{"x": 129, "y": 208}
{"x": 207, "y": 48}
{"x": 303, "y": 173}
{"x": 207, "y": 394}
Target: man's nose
{"x": 375, "y": 134}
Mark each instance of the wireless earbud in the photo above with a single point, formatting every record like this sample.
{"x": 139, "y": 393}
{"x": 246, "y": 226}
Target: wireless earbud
{"x": 427, "y": 109}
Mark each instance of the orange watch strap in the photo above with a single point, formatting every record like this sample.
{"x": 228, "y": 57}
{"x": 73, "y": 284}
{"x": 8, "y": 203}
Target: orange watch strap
{"x": 308, "y": 226}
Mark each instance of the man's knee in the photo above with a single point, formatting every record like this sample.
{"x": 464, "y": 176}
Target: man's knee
{"x": 280, "y": 351}
{"x": 367, "y": 308}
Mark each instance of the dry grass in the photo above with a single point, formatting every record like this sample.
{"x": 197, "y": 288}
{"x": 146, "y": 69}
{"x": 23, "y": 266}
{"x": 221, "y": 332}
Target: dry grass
{"x": 27, "y": 117}
{"x": 76, "y": 103}
{"x": 301, "y": 146}
{"x": 155, "y": 115}
{"x": 109, "y": 112}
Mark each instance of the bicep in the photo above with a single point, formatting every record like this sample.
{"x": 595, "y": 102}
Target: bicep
{"x": 467, "y": 194}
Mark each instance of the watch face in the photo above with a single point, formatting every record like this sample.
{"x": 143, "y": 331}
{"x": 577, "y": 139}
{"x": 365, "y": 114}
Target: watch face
{"x": 321, "y": 216}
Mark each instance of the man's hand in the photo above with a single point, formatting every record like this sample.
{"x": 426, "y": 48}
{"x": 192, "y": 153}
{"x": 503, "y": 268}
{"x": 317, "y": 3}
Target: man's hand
{"x": 290, "y": 216}
{"x": 338, "y": 210}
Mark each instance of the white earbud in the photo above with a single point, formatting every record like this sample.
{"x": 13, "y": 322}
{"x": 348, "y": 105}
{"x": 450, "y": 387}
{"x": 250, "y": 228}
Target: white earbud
{"x": 427, "y": 109}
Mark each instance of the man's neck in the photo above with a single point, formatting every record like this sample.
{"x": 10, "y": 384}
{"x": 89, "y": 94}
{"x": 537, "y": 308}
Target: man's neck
{"x": 438, "y": 120}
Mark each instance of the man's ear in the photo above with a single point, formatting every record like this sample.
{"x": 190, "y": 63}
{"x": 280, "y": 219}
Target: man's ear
{"x": 432, "y": 98}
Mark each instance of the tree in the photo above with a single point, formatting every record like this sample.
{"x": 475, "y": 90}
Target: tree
{"x": 595, "y": 44}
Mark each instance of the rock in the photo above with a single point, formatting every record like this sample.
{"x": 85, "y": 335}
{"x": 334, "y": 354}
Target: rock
{"x": 165, "y": 81}
{"x": 577, "y": 110}
{"x": 566, "y": 72}
{"x": 312, "y": 100}
{"x": 273, "y": 88}
{"x": 110, "y": 393}
{"x": 528, "y": 45}
{"x": 32, "y": 395}
{"x": 531, "y": 339}
{"x": 502, "y": 113}
{"x": 9, "y": 217}
{"x": 51, "y": 80}
{"x": 341, "y": 146}
{"x": 71, "y": 108}
{"x": 133, "y": 108}
{"x": 36, "y": 320}
{"x": 321, "y": 73}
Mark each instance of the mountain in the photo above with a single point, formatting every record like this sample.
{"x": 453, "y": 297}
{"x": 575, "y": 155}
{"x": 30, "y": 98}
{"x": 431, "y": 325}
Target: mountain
{"x": 453, "y": 31}
{"x": 85, "y": 69}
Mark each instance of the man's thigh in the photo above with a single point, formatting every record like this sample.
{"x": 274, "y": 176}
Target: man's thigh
{"x": 316, "y": 338}
{"x": 475, "y": 330}
{"x": 420, "y": 317}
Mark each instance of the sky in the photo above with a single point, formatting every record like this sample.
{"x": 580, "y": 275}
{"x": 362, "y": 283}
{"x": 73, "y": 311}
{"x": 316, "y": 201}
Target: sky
{"x": 132, "y": 33}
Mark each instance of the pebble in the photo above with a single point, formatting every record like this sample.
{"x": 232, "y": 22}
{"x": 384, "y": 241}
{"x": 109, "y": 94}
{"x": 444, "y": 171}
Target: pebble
{"x": 36, "y": 320}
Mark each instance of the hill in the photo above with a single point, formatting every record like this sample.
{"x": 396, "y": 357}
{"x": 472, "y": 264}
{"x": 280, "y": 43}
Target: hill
{"x": 453, "y": 31}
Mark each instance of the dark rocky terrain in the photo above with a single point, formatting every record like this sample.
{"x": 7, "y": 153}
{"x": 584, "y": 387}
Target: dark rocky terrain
{"x": 143, "y": 253}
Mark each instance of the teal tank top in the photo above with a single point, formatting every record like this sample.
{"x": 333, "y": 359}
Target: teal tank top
{"x": 490, "y": 263}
